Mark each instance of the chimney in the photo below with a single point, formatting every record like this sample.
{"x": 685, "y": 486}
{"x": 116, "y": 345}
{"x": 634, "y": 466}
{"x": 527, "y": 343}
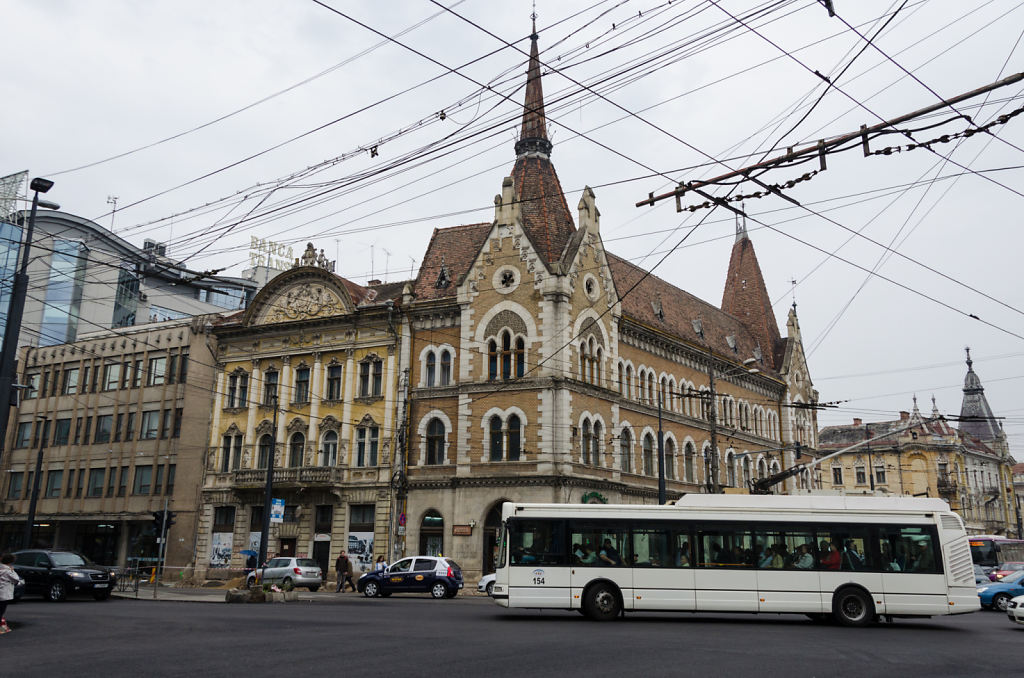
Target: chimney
{"x": 904, "y": 416}
{"x": 857, "y": 422}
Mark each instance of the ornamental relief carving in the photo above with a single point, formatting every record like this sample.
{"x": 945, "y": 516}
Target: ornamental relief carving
{"x": 309, "y": 300}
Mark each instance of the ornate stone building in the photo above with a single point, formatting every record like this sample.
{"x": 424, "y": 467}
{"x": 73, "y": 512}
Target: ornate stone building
{"x": 969, "y": 466}
{"x": 537, "y": 360}
{"x": 313, "y": 359}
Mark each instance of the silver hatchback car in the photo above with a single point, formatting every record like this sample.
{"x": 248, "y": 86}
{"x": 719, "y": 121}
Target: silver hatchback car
{"x": 289, "y": 573}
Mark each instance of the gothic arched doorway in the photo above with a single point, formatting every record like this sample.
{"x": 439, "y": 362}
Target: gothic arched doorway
{"x": 431, "y": 534}
{"x": 492, "y": 525}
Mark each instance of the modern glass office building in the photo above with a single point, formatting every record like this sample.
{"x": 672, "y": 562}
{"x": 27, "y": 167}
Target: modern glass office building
{"x": 10, "y": 246}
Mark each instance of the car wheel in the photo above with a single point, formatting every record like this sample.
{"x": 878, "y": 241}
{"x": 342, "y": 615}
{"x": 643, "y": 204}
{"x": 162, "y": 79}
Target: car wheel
{"x": 57, "y": 592}
{"x": 1000, "y": 601}
{"x": 372, "y": 590}
{"x": 439, "y": 591}
{"x": 287, "y": 584}
{"x": 490, "y": 588}
{"x": 852, "y": 607}
{"x": 602, "y": 602}
{"x": 314, "y": 589}
{"x": 250, "y": 581}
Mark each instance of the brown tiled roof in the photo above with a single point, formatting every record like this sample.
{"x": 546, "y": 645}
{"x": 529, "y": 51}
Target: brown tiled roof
{"x": 454, "y": 249}
{"x": 679, "y": 308}
{"x": 746, "y": 297}
{"x": 545, "y": 214}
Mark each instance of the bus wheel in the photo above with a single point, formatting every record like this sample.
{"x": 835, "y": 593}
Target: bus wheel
{"x": 852, "y": 607}
{"x": 602, "y": 602}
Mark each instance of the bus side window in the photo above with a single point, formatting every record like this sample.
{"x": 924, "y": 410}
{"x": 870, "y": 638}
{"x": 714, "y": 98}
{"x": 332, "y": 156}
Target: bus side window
{"x": 650, "y": 548}
{"x": 906, "y": 548}
{"x": 537, "y": 542}
{"x": 682, "y": 551}
{"x": 851, "y": 543}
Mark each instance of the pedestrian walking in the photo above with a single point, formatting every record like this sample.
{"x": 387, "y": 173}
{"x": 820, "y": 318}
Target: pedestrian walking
{"x": 343, "y": 571}
{"x": 8, "y": 580}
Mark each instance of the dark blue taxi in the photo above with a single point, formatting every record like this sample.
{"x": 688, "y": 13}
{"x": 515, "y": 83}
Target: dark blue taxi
{"x": 440, "y": 577}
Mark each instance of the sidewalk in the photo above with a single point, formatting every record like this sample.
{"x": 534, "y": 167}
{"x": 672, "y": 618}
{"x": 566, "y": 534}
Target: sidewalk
{"x": 214, "y": 595}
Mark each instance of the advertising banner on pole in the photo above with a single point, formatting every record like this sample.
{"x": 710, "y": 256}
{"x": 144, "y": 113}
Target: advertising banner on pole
{"x": 277, "y": 510}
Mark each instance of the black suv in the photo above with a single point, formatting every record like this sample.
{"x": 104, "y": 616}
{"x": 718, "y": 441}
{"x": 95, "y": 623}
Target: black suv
{"x": 57, "y": 574}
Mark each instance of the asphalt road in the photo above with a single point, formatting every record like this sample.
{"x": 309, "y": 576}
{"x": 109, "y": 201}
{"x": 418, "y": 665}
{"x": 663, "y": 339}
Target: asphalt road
{"x": 417, "y": 636}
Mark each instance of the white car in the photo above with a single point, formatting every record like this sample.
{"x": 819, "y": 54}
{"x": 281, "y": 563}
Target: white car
{"x": 1015, "y": 610}
{"x": 486, "y": 584}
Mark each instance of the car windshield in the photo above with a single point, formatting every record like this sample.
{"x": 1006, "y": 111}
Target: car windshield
{"x": 306, "y": 562}
{"x": 1012, "y": 566}
{"x": 453, "y": 564}
{"x": 67, "y": 560}
{"x": 1012, "y": 578}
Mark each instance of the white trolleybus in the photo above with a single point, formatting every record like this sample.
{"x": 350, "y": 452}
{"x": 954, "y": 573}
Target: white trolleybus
{"x": 853, "y": 559}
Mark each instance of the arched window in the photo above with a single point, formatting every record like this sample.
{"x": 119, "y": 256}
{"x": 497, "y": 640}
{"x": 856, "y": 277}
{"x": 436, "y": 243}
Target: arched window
{"x": 762, "y": 468}
{"x": 296, "y": 450}
{"x": 629, "y": 381}
{"x": 495, "y": 427}
{"x": 597, "y": 446}
{"x": 730, "y": 465}
{"x": 435, "y": 442}
{"x": 266, "y": 447}
{"x": 708, "y": 466}
{"x": 688, "y": 462}
{"x": 520, "y": 357}
{"x": 746, "y": 471}
{"x": 431, "y": 368}
{"x": 670, "y": 459}
{"x": 583, "y": 361}
{"x": 622, "y": 376}
{"x": 597, "y": 367}
{"x": 625, "y": 449}
{"x": 648, "y": 455}
{"x": 586, "y": 441}
{"x": 514, "y": 438}
{"x": 446, "y": 368}
{"x": 664, "y": 393}
{"x": 330, "y": 450}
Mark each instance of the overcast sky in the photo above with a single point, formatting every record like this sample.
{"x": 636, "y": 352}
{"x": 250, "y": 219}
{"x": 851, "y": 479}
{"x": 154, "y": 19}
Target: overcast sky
{"x": 257, "y": 118}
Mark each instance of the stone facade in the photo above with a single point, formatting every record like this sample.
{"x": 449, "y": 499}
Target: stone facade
{"x": 122, "y": 417}
{"x": 314, "y": 360}
{"x": 537, "y": 361}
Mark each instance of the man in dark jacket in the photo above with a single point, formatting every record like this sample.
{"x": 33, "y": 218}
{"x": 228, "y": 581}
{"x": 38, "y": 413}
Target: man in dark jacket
{"x": 343, "y": 571}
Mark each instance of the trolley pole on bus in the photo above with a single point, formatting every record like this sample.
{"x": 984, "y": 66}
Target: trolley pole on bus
{"x": 661, "y": 456}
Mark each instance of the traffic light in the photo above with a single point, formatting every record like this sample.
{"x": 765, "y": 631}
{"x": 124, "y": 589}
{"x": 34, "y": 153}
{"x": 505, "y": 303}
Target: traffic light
{"x": 799, "y": 450}
{"x": 170, "y": 520}
{"x": 158, "y": 523}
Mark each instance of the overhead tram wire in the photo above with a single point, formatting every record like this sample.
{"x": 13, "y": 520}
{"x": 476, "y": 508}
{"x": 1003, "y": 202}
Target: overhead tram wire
{"x": 351, "y": 114}
{"x": 293, "y": 175}
{"x": 460, "y": 67}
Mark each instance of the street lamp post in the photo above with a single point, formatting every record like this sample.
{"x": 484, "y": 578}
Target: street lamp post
{"x": 19, "y": 290}
{"x": 268, "y": 491}
{"x": 30, "y": 523}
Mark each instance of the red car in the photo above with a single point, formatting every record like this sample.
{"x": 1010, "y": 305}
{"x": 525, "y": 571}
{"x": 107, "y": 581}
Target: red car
{"x": 1006, "y": 568}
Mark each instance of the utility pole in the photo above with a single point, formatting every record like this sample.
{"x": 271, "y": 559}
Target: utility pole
{"x": 871, "y": 457}
{"x": 160, "y": 560}
{"x": 30, "y": 523}
{"x": 19, "y": 290}
{"x": 661, "y": 456}
{"x": 716, "y": 485}
{"x": 268, "y": 492}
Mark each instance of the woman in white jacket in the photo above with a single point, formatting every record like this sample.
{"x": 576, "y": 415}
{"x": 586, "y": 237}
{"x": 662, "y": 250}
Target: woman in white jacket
{"x": 8, "y": 580}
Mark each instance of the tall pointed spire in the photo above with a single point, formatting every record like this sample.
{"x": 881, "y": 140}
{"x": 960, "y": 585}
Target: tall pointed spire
{"x": 746, "y": 296}
{"x": 533, "y": 138}
{"x": 545, "y": 214}
{"x": 976, "y": 416}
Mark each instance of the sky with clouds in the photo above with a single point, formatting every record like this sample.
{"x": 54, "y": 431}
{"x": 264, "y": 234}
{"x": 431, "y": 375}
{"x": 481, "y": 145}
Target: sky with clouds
{"x": 213, "y": 123}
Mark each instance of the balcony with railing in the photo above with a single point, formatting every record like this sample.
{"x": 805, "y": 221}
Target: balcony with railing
{"x": 303, "y": 475}
{"x": 946, "y": 485}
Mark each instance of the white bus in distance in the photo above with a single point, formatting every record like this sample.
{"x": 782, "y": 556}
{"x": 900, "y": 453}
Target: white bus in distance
{"x": 853, "y": 559}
